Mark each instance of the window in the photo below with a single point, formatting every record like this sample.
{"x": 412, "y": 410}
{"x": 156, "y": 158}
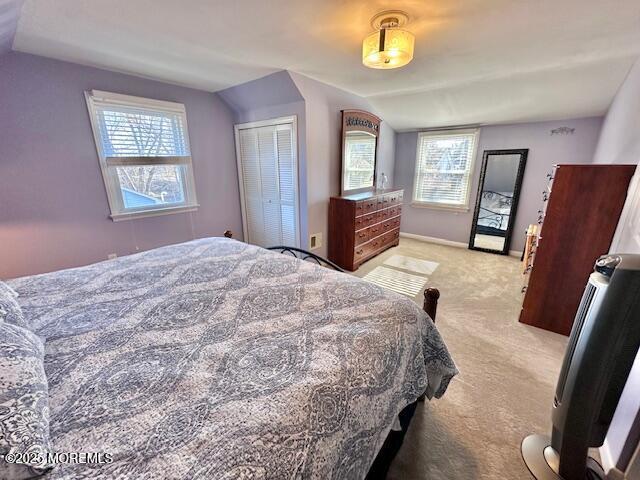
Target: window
{"x": 143, "y": 148}
{"x": 443, "y": 168}
{"x": 360, "y": 160}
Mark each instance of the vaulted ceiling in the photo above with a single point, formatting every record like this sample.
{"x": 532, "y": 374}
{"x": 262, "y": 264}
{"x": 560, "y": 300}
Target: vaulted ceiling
{"x": 476, "y": 62}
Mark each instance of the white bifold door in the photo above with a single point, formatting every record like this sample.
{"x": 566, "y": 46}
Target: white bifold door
{"x": 268, "y": 175}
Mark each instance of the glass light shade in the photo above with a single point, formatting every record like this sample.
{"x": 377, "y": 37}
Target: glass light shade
{"x": 388, "y": 48}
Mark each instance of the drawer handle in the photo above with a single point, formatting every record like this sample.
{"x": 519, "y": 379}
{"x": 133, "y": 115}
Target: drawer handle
{"x": 361, "y": 235}
{"x": 375, "y": 244}
{"x": 359, "y": 252}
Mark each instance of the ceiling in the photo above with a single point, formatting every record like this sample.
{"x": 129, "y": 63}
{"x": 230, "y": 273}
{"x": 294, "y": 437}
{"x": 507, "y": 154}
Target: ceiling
{"x": 476, "y": 61}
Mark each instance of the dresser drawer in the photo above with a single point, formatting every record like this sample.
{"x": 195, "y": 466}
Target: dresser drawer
{"x": 375, "y": 245}
{"x": 371, "y": 219}
{"x": 360, "y": 254}
{"x": 370, "y": 205}
{"x": 391, "y": 223}
{"x": 393, "y": 198}
{"x": 365, "y": 220}
{"x": 362, "y": 236}
{"x": 375, "y": 230}
{"x": 390, "y": 237}
{"x": 394, "y": 211}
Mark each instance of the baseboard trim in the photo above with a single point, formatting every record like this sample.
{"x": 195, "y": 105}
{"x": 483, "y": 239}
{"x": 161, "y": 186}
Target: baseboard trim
{"x": 439, "y": 241}
{"x": 448, "y": 243}
{"x": 605, "y": 456}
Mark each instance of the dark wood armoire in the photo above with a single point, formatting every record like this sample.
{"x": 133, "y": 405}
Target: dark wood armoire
{"x": 582, "y": 205}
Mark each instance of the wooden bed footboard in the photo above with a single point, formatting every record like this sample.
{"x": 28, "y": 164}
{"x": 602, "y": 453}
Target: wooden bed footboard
{"x": 430, "y": 305}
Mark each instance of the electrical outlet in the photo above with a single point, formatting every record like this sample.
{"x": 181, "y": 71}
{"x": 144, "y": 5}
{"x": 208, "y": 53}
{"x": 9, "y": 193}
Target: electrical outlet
{"x": 315, "y": 241}
{"x": 111, "y": 256}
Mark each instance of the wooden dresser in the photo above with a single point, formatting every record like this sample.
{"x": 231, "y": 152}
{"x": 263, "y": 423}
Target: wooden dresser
{"x": 363, "y": 225}
{"x": 582, "y": 205}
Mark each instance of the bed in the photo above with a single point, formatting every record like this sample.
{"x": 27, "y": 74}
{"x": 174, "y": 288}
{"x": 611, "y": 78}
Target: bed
{"x": 218, "y": 359}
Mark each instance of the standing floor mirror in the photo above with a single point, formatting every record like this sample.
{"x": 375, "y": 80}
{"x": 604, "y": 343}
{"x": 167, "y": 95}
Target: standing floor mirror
{"x": 497, "y": 200}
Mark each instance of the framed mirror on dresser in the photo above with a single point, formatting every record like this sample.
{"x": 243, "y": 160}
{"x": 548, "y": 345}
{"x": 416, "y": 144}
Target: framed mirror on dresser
{"x": 360, "y": 131}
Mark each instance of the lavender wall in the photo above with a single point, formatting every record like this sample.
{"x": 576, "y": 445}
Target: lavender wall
{"x": 323, "y": 105}
{"x": 53, "y": 205}
{"x": 274, "y": 96}
{"x": 620, "y": 143}
{"x": 544, "y": 151}
{"x": 318, "y": 109}
{"x": 9, "y": 15}
{"x": 620, "y": 138}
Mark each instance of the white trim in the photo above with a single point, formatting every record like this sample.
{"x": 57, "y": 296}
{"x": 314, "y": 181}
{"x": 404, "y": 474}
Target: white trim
{"x": 472, "y": 162}
{"x": 438, "y": 241}
{"x": 605, "y": 456}
{"x": 267, "y": 123}
{"x": 440, "y": 206}
{"x": 288, "y": 120}
{"x": 108, "y": 164}
{"x": 448, "y": 243}
{"x": 122, "y": 100}
{"x": 119, "y": 217}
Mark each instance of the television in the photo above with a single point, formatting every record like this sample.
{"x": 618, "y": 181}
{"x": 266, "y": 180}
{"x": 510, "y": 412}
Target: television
{"x": 602, "y": 346}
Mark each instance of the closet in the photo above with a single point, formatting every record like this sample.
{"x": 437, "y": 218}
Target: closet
{"x": 266, "y": 153}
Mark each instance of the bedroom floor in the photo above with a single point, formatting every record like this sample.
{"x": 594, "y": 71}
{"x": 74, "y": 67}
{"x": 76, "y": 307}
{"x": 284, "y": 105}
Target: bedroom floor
{"x": 507, "y": 374}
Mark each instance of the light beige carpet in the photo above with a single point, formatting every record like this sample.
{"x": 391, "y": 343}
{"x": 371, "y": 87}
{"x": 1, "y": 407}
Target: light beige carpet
{"x": 507, "y": 375}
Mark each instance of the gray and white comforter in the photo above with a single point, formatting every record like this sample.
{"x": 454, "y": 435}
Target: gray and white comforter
{"x": 216, "y": 359}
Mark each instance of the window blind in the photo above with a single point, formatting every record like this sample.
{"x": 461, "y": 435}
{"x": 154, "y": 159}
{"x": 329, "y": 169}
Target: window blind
{"x": 443, "y": 170}
{"x": 141, "y": 136}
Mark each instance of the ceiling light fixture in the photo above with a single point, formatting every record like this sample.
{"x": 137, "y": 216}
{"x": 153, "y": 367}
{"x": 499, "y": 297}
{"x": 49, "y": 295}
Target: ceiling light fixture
{"x": 389, "y": 46}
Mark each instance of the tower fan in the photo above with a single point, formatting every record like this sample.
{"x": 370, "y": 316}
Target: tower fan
{"x": 603, "y": 344}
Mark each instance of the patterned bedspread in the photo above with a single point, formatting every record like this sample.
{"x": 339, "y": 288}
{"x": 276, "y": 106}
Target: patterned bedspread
{"x": 217, "y": 359}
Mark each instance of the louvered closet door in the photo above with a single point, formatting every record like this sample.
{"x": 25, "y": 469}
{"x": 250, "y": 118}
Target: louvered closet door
{"x": 269, "y": 181}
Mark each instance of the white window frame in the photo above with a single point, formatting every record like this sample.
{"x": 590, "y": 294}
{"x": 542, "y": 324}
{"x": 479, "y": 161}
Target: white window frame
{"x": 108, "y": 164}
{"x": 441, "y": 205}
{"x": 273, "y": 122}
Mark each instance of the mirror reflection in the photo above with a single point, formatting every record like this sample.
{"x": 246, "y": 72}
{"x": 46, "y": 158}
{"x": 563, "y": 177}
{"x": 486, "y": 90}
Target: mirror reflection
{"x": 359, "y": 160}
{"x": 497, "y": 200}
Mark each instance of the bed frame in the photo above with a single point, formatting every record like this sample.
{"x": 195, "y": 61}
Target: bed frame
{"x": 394, "y": 440}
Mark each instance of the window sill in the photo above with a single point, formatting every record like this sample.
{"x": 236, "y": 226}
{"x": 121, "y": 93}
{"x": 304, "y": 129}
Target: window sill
{"x": 434, "y": 206}
{"x": 118, "y": 217}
